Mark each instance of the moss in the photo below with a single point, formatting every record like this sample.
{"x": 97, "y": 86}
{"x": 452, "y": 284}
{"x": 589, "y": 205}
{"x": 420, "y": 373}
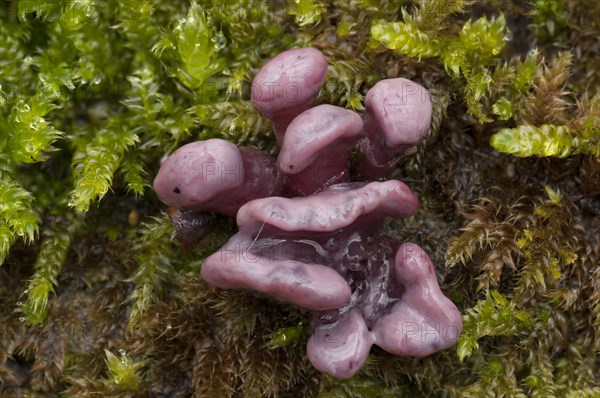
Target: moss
{"x": 98, "y": 299}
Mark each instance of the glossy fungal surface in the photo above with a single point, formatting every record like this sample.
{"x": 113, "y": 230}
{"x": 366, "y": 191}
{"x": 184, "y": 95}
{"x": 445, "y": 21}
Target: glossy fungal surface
{"x": 282, "y": 244}
{"x": 317, "y": 146}
{"x": 198, "y": 175}
{"x": 398, "y": 306}
{"x": 287, "y": 85}
{"x": 324, "y": 253}
{"x": 307, "y": 233}
{"x": 397, "y": 118}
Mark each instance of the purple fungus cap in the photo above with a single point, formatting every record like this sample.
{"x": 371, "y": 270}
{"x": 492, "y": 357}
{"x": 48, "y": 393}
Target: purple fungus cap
{"x": 240, "y": 265}
{"x": 423, "y": 321}
{"x": 397, "y": 118}
{"x": 197, "y": 177}
{"x": 418, "y": 320}
{"x": 322, "y": 252}
{"x": 275, "y": 251}
{"x": 317, "y": 146}
{"x": 340, "y": 349}
{"x": 287, "y": 85}
{"x": 335, "y": 208}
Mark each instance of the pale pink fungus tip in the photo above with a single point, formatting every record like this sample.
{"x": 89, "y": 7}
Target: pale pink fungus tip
{"x": 198, "y": 175}
{"x": 316, "y": 148}
{"x": 287, "y": 85}
{"x": 397, "y": 118}
{"x": 418, "y": 323}
{"x": 423, "y": 321}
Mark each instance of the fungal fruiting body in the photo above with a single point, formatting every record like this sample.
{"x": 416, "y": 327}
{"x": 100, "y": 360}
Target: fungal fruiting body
{"x": 196, "y": 177}
{"x": 316, "y": 148}
{"x": 309, "y": 235}
{"x": 401, "y": 309}
{"x": 288, "y": 85}
{"x": 199, "y": 175}
{"x": 397, "y": 118}
{"x": 286, "y": 241}
{"x": 323, "y": 252}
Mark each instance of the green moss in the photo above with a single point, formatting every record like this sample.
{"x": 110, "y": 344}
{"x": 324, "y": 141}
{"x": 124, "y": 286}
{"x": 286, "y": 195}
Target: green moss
{"x": 98, "y": 299}
{"x": 306, "y": 12}
{"x": 123, "y": 372}
{"x": 55, "y": 245}
{"x": 468, "y": 54}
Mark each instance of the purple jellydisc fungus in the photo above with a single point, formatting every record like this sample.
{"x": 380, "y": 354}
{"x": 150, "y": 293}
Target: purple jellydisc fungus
{"x": 323, "y": 252}
{"x": 288, "y": 85}
{"x": 400, "y": 308}
{"x": 317, "y": 146}
{"x": 275, "y": 251}
{"x": 397, "y": 117}
{"x": 197, "y": 177}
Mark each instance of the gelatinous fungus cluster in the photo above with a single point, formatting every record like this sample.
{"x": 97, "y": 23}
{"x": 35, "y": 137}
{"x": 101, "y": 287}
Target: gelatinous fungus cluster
{"x": 307, "y": 233}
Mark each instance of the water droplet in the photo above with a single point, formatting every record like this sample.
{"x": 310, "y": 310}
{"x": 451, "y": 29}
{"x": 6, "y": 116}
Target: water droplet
{"x": 508, "y": 36}
{"x": 27, "y": 59}
{"x": 219, "y": 41}
{"x": 169, "y": 327}
{"x": 487, "y": 78}
{"x": 84, "y": 81}
{"x": 122, "y": 352}
{"x": 532, "y": 52}
{"x": 22, "y": 319}
{"x": 96, "y": 80}
{"x": 19, "y": 303}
